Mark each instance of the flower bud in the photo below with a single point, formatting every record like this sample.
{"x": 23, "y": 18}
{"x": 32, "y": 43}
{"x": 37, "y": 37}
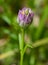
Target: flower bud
{"x": 25, "y": 17}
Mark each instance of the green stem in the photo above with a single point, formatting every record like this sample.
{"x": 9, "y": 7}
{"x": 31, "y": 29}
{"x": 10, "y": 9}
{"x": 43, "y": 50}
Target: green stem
{"x": 21, "y": 60}
{"x": 21, "y": 44}
{"x": 25, "y": 49}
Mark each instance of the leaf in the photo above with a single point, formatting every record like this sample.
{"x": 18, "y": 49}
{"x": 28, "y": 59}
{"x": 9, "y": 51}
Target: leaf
{"x": 38, "y": 43}
{"x": 42, "y": 24}
{"x": 6, "y": 19}
{"x": 9, "y": 53}
{"x": 32, "y": 60}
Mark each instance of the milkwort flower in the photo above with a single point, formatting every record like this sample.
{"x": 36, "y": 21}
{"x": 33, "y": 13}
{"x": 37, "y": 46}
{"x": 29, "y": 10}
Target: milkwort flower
{"x": 25, "y": 17}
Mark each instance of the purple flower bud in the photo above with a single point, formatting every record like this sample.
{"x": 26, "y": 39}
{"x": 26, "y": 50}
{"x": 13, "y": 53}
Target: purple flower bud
{"x": 25, "y": 17}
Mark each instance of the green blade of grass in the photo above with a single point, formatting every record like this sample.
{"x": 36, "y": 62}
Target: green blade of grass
{"x": 42, "y": 24}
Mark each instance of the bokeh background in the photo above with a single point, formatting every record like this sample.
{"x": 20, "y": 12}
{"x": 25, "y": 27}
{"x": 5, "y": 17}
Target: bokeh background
{"x": 9, "y": 30}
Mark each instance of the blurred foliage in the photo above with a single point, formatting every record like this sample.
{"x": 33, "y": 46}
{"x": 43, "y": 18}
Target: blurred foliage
{"x": 9, "y": 30}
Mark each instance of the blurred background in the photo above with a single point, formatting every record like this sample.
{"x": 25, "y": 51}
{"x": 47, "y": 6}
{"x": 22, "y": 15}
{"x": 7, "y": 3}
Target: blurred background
{"x": 9, "y": 29}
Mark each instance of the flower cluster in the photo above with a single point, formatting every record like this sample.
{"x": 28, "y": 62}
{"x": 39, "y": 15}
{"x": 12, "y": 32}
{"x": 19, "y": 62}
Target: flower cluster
{"x": 25, "y": 17}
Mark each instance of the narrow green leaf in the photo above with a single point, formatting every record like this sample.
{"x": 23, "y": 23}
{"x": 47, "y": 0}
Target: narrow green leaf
{"x": 42, "y": 24}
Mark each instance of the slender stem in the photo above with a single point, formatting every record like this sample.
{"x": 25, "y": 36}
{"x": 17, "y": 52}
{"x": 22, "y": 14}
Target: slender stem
{"x": 21, "y": 60}
{"x": 21, "y": 44}
{"x": 25, "y": 49}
